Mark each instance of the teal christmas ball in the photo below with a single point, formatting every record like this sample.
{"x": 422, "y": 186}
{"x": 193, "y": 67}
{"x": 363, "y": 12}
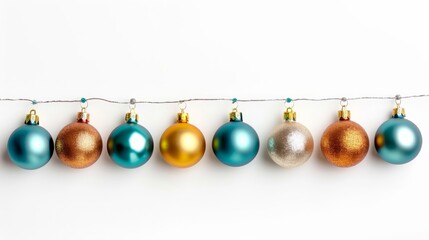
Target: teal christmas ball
{"x": 235, "y": 143}
{"x": 398, "y": 141}
{"x": 30, "y": 147}
{"x": 130, "y": 145}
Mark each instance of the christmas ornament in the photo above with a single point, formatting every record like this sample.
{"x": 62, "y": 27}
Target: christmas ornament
{"x": 130, "y": 145}
{"x": 182, "y": 145}
{"x": 344, "y": 143}
{"x": 79, "y": 144}
{"x": 30, "y": 146}
{"x": 398, "y": 140}
{"x": 235, "y": 143}
{"x": 291, "y": 143}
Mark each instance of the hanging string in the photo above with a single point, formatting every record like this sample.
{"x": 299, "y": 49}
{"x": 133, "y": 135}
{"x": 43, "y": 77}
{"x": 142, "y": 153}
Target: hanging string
{"x": 32, "y": 101}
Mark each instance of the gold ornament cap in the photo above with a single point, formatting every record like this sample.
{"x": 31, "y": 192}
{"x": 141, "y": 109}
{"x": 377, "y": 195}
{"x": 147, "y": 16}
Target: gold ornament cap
{"x": 398, "y": 112}
{"x": 289, "y": 114}
{"x": 83, "y": 116}
{"x": 182, "y": 117}
{"x": 32, "y": 118}
{"x": 235, "y": 116}
{"x": 344, "y": 114}
{"x": 131, "y": 117}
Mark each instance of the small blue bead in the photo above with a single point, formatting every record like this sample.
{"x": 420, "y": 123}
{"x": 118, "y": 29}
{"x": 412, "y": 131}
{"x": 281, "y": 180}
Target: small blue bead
{"x": 398, "y": 141}
{"x": 30, "y": 147}
{"x": 288, "y": 100}
{"x": 130, "y": 145}
{"x": 235, "y": 144}
{"x": 234, "y": 100}
{"x": 83, "y": 100}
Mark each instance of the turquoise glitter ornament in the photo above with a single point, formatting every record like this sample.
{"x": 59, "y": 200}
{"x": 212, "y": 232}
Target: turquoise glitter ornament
{"x": 398, "y": 140}
{"x": 235, "y": 143}
{"x": 130, "y": 145}
{"x": 30, "y": 146}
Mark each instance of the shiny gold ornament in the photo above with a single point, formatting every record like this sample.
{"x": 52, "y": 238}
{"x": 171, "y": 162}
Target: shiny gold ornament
{"x": 344, "y": 143}
{"x": 79, "y": 144}
{"x": 182, "y": 145}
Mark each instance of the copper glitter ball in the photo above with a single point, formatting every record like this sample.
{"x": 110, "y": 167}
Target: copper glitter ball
{"x": 78, "y": 145}
{"x": 344, "y": 143}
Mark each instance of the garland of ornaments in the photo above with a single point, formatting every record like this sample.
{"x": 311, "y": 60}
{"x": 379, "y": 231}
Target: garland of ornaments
{"x": 344, "y": 143}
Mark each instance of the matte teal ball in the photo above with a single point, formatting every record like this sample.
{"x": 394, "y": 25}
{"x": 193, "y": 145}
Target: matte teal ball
{"x": 235, "y": 144}
{"x": 130, "y": 145}
{"x": 398, "y": 141}
{"x": 30, "y": 147}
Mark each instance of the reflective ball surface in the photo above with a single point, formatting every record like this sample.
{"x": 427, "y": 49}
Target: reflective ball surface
{"x": 182, "y": 145}
{"x": 30, "y": 147}
{"x": 130, "y": 145}
{"x": 235, "y": 144}
{"x": 398, "y": 141}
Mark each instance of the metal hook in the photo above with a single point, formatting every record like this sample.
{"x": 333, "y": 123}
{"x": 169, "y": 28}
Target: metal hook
{"x": 182, "y": 106}
{"x": 132, "y": 104}
{"x": 398, "y": 99}
{"x": 234, "y": 104}
{"x": 83, "y": 103}
{"x": 289, "y": 103}
{"x": 344, "y": 102}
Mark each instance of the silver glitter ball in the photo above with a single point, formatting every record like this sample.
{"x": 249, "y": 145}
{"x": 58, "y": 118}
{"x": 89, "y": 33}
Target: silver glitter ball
{"x": 290, "y": 144}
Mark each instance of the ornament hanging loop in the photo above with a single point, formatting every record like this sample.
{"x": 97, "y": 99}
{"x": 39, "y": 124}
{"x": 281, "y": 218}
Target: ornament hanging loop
{"x": 234, "y": 105}
{"x": 182, "y": 116}
{"x": 182, "y": 106}
{"x": 83, "y": 116}
{"x": 34, "y": 104}
{"x": 83, "y": 104}
{"x": 289, "y": 103}
{"x": 235, "y": 115}
{"x": 344, "y": 102}
{"x": 132, "y": 116}
{"x": 398, "y": 99}
{"x": 132, "y": 104}
{"x": 398, "y": 111}
{"x": 289, "y": 114}
{"x": 344, "y": 114}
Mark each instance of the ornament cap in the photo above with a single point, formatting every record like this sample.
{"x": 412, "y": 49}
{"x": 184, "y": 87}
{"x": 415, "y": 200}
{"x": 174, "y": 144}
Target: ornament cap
{"x": 32, "y": 118}
{"x": 235, "y": 116}
{"x": 398, "y": 112}
{"x": 344, "y": 114}
{"x": 131, "y": 117}
{"x": 289, "y": 114}
{"x": 182, "y": 117}
{"x": 83, "y": 116}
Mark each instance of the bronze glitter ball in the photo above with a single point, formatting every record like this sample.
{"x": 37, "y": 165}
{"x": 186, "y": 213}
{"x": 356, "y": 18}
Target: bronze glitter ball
{"x": 78, "y": 145}
{"x": 344, "y": 143}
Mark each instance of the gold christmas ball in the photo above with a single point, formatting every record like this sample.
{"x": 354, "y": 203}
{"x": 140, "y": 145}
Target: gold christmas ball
{"x": 182, "y": 145}
{"x": 344, "y": 143}
{"x": 78, "y": 145}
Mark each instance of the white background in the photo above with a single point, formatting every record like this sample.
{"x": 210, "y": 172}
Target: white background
{"x": 166, "y": 50}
